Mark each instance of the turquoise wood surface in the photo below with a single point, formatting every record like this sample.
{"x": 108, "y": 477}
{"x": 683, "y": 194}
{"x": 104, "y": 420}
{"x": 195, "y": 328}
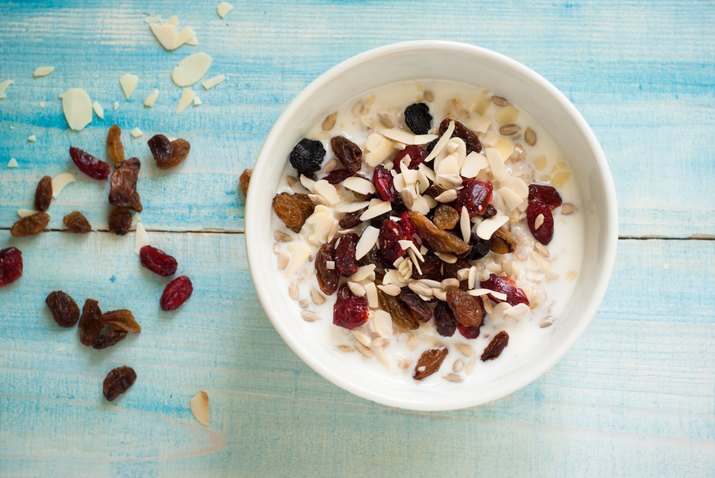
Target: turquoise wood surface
{"x": 635, "y": 396}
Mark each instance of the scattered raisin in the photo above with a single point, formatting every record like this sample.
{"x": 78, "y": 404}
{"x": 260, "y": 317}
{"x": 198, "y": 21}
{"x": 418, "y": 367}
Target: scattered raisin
{"x": 451, "y": 270}
{"x": 429, "y": 362}
{"x": 180, "y": 150}
{"x": 387, "y": 240}
{"x": 307, "y": 156}
{"x": 108, "y": 338}
{"x": 30, "y": 225}
{"x": 328, "y": 279}
{"x": 293, "y": 209}
{"x": 418, "y": 118}
{"x": 502, "y": 241}
{"x": 420, "y": 310}
{"x": 123, "y": 183}
{"x": 351, "y": 219}
{"x": 90, "y": 324}
{"x": 337, "y": 176}
{"x": 64, "y": 309}
{"x": 244, "y": 180}
{"x": 417, "y": 156}
{"x": 431, "y": 268}
{"x": 115, "y": 148}
{"x": 480, "y": 247}
{"x": 384, "y": 185}
{"x": 445, "y": 217}
{"x": 401, "y": 316}
{"x": 444, "y": 320}
{"x": 547, "y": 194}
{"x": 118, "y": 381}
{"x": 490, "y": 212}
{"x": 77, "y": 223}
{"x": 136, "y": 203}
{"x": 434, "y": 190}
{"x": 349, "y": 310}
{"x": 176, "y": 293}
{"x": 475, "y": 196}
{"x": 122, "y": 320}
{"x": 120, "y": 220}
{"x": 157, "y": 261}
{"x": 507, "y": 286}
{"x": 438, "y": 240}
{"x": 468, "y": 310}
{"x": 347, "y": 152}
{"x": 468, "y": 332}
{"x": 160, "y": 148}
{"x": 545, "y": 231}
{"x": 43, "y": 194}
{"x": 88, "y": 164}
{"x": 345, "y": 261}
{"x": 470, "y": 138}
{"x": 10, "y": 265}
{"x": 373, "y": 257}
{"x": 495, "y": 347}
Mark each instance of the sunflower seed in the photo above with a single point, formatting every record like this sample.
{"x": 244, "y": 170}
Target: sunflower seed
{"x": 500, "y": 101}
{"x": 309, "y": 316}
{"x": 281, "y": 236}
{"x": 317, "y": 297}
{"x": 567, "y": 209}
{"x": 509, "y": 129}
{"x": 465, "y": 349}
{"x": 329, "y": 121}
{"x": 428, "y": 96}
{"x": 458, "y": 366}
{"x": 283, "y": 260}
{"x": 363, "y": 350}
{"x": 541, "y": 249}
{"x": 546, "y": 322}
{"x": 345, "y": 348}
{"x": 362, "y": 337}
{"x": 293, "y": 291}
{"x": 530, "y": 136}
{"x": 453, "y": 377}
{"x": 470, "y": 366}
{"x": 303, "y": 304}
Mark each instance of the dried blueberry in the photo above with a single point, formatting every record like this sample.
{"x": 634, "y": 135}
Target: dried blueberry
{"x": 418, "y": 118}
{"x": 307, "y": 156}
{"x": 480, "y": 248}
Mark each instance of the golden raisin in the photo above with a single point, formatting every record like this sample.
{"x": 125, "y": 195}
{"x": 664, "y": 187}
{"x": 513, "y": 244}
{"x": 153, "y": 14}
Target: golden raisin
{"x": 438, "y": 240}
{"x": 445, "y": 217}
{"x": 401, "y": 316}
{"x": 468, "y": 310}
{"x": 429, "y": 362}
{"x": 502, "y": 241}
{"x": 77, "y": 223}
{"x": 30, "y": 225}
{"x": 293, "y": 209}
{"x": 244, "y": 181}
{"x": 122, "y": 320}
{"x": 115, "y": 148}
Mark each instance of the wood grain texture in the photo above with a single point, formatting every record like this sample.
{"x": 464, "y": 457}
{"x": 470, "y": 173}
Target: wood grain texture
{"x": 636, "y": 395}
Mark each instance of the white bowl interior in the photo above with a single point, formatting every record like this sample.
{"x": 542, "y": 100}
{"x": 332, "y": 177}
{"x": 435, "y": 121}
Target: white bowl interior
{"x": 478, "y": 67}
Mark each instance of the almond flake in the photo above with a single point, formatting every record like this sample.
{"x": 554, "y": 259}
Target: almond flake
{"x": 465, "y": 225}
{"x": 371, "y": 294}
{"x": 518, "y": 312}
{"x": 214, "y": 81}
{"x": 443, "y": 140}
{"x": 366, "y": 242}
{"x": 151, "y": 99}
{"x": 169, "y": 38}
{"x": 320, "y": 225}
{"x": 136, "y": 133}
{"x": 450, "y": 283}
{"x": 351, "y": 206}
{"x": 59, "y": 182}
{"x": 98, "y": 110}
{"x": 152, "y": 20}
{"x": 402, "y": 136}
{"x": 187, "y": 96}
{"x": 191, "y": 69}
{"x": 392, "y": 276}
{"x": 141, "y": 238}
{"x": 446, "y": 257}
{"x": 77, "y": 108}
{"x": 487, "y": 227}
{"x": 420, "y": 289}
{"x": 381, "y": 323}
{"x": 200, "y": 407}
{"x": 3, "y": 88}
{"x": 357, "y": 289}
{"x": 379, "y": 149}
{"x": 116, "y": 105}
{"x": 510, "y": 198}
{"x": 327, "y": 191}
{"x": 376, "y": 208}
{"x": 363, "y": 273}
{"x": 496, "y": 163}
{"x": 421, "y": 204}
{"x": 472, "y": 278}
{"x": 223, "y": 9}
{"x": 299, "y": 253}
{"x": 12, "y": 163}
{"x": 390, "y": 289}
{"x": 32, "y": 138}
{"x": 427, "y": 171}
{"x": 539, "y": 221}
{"x": 307, "y": 183}
{"x": 481, "y": 292}
{"x": 41, "y": 71}
{"x": 473, "y": 163}
{"x": 26, "y": 212}
{"x": 359, "y": 185}
{"x": 129, "y": 83}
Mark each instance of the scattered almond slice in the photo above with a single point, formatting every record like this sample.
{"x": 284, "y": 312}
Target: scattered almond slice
{"x": 487, "y": 227}
{"x": 152, "y": 20}
{"x": 472, "y": 278}
{"x": 480, "y": 292}
{"x": 136, "y": 219}
{"x": 223, "y": 9}
{"x": 41, "y": 104}
{"x": 496, "y": 163}
{"x": 136, "y": 133}
{"x": 26, "y": 212}
{"x": 41, "y": 71}
{"x": 12, "y": 163}
{"x": 129, "y": 84}
{"x": 116, "y": 105}
{"x": 214, "y": 81}
{"x": 371, "y": 294}
{"x": 307, "y": 183}
{"x": 168, "y": 37}
{"x": 327, "y": 191}
{"x": 465, "y": 225}
{"x": 77, "y": 108}
{"x": 191, "y": 69}
{"x": 446, "y": 257}
{"x": 351, "y": 206}
{"x": 539, "y": 221}
{"x": 3, "y": 88}
{"x": 402, "y": 136}
{"x": 363, "y": 273}
{"x": 61, "y": 181}
{"x": 518, "y": 312}
{"x": 380, "y": 148}
{"x": 98, "y": 110}
{"x": 32, "y": 138}
{"x": 197, "y": 101}
{"x": 151, "y": 99}
{"x": 510, "y": 198}
{"x": 299, "y": 253}
{"x": 200, "y": 408}
{"x": 390, "y": 289}
{"x": 172, "y": 20}
{"x": 381, "y": 322}
{"x": 187, "y": 96}
{"x": 366, "y": 242}
{"x": 141, "y": 238}
{"x": 359, "y": 185}
{"x": 443, "y": 140}
{"x": 376, "y": 208}
{"x": 473, "y": 163}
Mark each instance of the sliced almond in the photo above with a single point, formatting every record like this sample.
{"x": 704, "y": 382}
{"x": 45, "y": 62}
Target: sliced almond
{"x": 371, "y": 294}
{"x": 376, "y": 208}
{"x": 539, "y": 221}
{"x": 77, "y": 108}
{"x": 496, "y": 163}
{"x": 363, "y": 273}
{"x": 390, "y": 289}
{"x": 465, "y": 225}
{"x": 129, "y": 84}
{"x": 402, "y": 136}
{"x": 359, "y": 185}
{"x": 327, "y": 191}
{"x": 61, "y": 181}
{"x": 191, "y": 69}
{"x": 151, "y": 99}
{"x": 187, "y": 96}
{"x": 199, "y": 404}
{"x": 486, "y": 228}
{"x": 443, "y": 140}
{"x": 366, "y": 242}
{"x": 446, "y": 257}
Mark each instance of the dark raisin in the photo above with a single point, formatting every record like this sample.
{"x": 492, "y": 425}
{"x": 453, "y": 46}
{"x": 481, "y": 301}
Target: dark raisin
{"x": 431, "y": 268}
{"x": 351, "y": 219}
{"x": 157, "y": 261}
{"x": 120, "y": 220}
{"x": 450, "y": 270}
{"x": 176, "y": 293}
{"x": 122, "y": 319}
{"x": 345, "y": 261}
{"x": 419, "y": 309}
{"x": 468, "y": 332}
{"x": 417, "y": 156}
{"x": 337, "y": 176}
{"x": 349, "y": 310}
{"x": 444, "y": 320}
{"x": 418, "y": 118}
{"x": 293, "y": 209}
{"x": 244, "y": 180}
{"x": 475, "y": 196}
{"x": 30, "y": 225}
{"x": 400, "y": 314}
{"x": 43, "y": 194}
{"x": 10, "y": 266}
{"x": 136, "y": 203}
{"x": 544, "y": 231}
{"x": 123, "y": 183}
{"x": 348, "y": 153}
{"x": 468, "y": 310}
{"x": 108, "y": 338}
{"x": 307, "y": 156}
{"x": 547, "y": 194}
{"x": 398, "y": 206}
{"x": 64, "y": 309}
{"x": 88, "y": 164}
{"x": 118, "y": 381}
{"x": 90, "y": 324}
{"x": 180, "y": 150}
{"x": 115, "y": 148}
{"x": 470, "y": 138}
{"x": 77, "y": 223}
{"x": 328, "y": 279}
{"x": 490, "y": 212}
{"x": 160, "y": 148}
{"x": 480, "y": 248}
{"x": 434, "y": 190}
{"x": 496, "y": 346}
{"x": 382, "y": 179}
{"x": 506, "y": 285}
{"x": 373, "y": 257}
{"x": 429, "y": 362}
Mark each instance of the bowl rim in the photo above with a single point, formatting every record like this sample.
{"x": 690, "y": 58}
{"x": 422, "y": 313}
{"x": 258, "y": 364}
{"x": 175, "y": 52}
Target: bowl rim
{"x": 558, "y": 351}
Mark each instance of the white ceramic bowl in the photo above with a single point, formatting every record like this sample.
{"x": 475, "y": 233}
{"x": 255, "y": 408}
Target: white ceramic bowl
{"x": 466, "y": 64}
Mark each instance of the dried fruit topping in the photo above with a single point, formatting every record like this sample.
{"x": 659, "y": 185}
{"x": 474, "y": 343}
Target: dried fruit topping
{"x": 176, "y": 293}
{"x": 430, "y": 361}
{"x": 347, "y": 152}
{"x": 373, "y": 257}
{"x": 337, "y": 176}
{"x": 401, "y": 316}
{"x": 122, "y": 320}
{"x": 88, "y": 164}
{"x": 490, "y": 212}
{"x": 468, "y": 332}
{"x": 438, "y": 240}
{"x": 349, "y": 310}
{"x": 480, "y": 248}
{"x": 451, "y": 270}
{"x": 30, "y": 225}
{"x": 157, "y": 261}
{"x": 409, "y": 232}
{"x": 108, "y": 338}
{"x": 160, "y": 148}
{"x": 90, "y": 324}
{"x": 546, "y": 194}
{"x": 495, "y": 347}
{"x": 469, "y": 137}
{"x": 444, "y": 320}
{"x": 502, "y": 241}
{"x": 345, "y": 261}
{"x": 468, "y": 310}
{"x": 43, "y": 194}
{"x": 417, "y": 156}
{"x": 387, "y": 240}
{"x": 445, "y": 217}
{"x": 420, "y": 310}
{"x": 328, "y": 279}
{"x": 10, "y": 266}
{"x": 431, "y": 268}
{"x": 181, "y": 151}
{"x": 351, "y": 219}
{"x": 434, "y": 190}
{"x": 118, "y": 381}
{"x": 307, "y": 156}
{"x": 120, "y": 220}
{"x": 115, "y": 148}
{"x": 505, "y": 285}
{"x": 136, "y": 203}
{"x": 123, "y": 183}
{"x": 418, "y": 118}
{"x": 384, "y": 185}
{"x": 293, "y": 209}
{"x": 244, "y": 180}
{"x": 540, "y": 221}
{"x": 64, "y": 309}
{"x": 77, "y": 223}
{"x": 475, "y": 196}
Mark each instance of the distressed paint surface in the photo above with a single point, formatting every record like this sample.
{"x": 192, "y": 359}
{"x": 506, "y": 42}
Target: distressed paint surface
{"x": 635, "y": 396}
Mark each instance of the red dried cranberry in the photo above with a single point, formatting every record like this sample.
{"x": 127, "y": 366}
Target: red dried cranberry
{"x": 176, "y": 293}
{"x": 545, "y": 232}
{"x": 345, "y": 261}
{"x": 337, "y": 176}
{"x": 547, "y": 194}
{"x": 88, "y": 164}
{"x": 390, "y": 233}
{"x": 10, "y": 266}
{"x": 468, "y": 332}
{"x": 383, "y": 183}
{"x": 475, "y": 196}
{"x": 349, "y": 310}
{"x": 417, "y": 156}
{"x": 505, "y": 285}
{"x": 157, "y": 261}
{"x": 409, "y": 232}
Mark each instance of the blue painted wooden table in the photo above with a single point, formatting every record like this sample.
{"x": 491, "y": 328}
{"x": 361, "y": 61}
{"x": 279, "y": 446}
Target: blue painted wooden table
{"x": 634, "y": 397}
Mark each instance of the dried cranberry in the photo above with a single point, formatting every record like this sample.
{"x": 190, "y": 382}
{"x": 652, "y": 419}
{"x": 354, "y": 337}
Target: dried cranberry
{"x": 468, "y": 332}
{"x": 475, "y": 196}
{"x": 307, "y": 156}
{"x": 337, "y": 176}
{"x": 547, "y": 194}
{"x": 545, "y": 232}
{"x": 349, "y": 310}
{"x": 157, "y": 261}
{"x": 10, "y": 265}
{"x": 176, "y": 293}
{"x": 345, "y": 261}
{"x": 88, "y": 164}
{"x": 505, "y": 285}
{"x": 390, "y": 233}
{"x": 444, "y": 319}
{"x": 383, "y": 183}
{"x": 417, "y": 156}
{"x": 418, "y": 118}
